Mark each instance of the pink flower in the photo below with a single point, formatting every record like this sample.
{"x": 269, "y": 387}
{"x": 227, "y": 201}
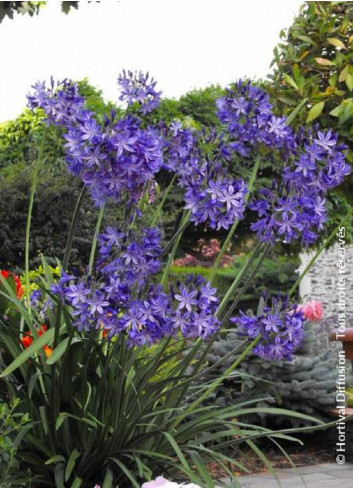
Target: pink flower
{"x": 312, "y": 311}
{"x": 160, "y": 482}
{"x": 166, "y": 484}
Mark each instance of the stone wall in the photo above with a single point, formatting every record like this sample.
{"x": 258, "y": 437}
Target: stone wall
{"x": 322, "y": 281}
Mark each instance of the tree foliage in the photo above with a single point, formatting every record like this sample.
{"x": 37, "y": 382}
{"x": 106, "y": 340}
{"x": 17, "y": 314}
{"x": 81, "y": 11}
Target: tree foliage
{"x": 313, "y": 68}
{"x": 8, "y": 9}
{"x": 56, "y": 194}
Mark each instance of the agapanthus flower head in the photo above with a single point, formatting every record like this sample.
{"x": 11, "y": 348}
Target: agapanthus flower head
{"x": 280, "y": 329}
{"x": 295, "y": 208}
{"x": 195, "y": 303}
{"x": 119, "y": 296}
{"x": 117, "y": 159}
{"x": 139, "y": 88}
{"x": 35, "y": 297}
{"x": 112, "y": 159}
{"x": 220, "y": 202}
{"x": 319, "y": 161}
{"x": 247, "y": 113}
{"x": 60, "y": 101}
{"x": 211, "y": 193}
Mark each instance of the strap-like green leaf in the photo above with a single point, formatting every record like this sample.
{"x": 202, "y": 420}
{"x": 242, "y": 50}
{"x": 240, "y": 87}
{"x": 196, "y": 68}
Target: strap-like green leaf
{"x": 71, "y": 463}
{"x": 43, "y": 340}
{"x": 58, "y": 351}
{"x": 55, "y": 459}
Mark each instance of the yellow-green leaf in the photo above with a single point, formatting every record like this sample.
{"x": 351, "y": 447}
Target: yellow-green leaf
{"x": 306, "y": 39}
{"x": 336, "y": 42}
{"x": 324, "y": 62}
{"x": 349, "y": 81}
{"x": 337, "y": 111}
{"x": 295, "y": 112}
{"x": 315, "y": 111}
{"x": 343, "y": 74}
{"x": 290, "y": 81}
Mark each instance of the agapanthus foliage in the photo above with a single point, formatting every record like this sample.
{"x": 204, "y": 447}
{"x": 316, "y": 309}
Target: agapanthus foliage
{"x": 280, "y": 329}
{"x": 120, "y": 298}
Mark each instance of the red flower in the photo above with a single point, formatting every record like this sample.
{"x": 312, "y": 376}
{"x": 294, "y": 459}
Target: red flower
{"x": 19, "y": 288}
{"x": 42, "y": 329}
{"x": 27, "y": 340}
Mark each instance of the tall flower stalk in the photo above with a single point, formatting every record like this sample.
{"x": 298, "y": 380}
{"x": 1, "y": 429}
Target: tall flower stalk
{"x": 36, "y": 168}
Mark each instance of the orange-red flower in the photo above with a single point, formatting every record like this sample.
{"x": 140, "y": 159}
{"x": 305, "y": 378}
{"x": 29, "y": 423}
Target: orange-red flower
{"x": 27, "y": 340}
{"x": 19, "y": 288}
{"x": 47, "y": 350}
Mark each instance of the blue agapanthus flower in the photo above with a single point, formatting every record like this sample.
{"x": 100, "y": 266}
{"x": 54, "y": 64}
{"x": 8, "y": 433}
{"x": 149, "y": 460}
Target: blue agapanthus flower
{"x": 139, "y": 88}
{"x": 60, "y": 101}
{"x": 295, "y": 208}
{"x": 120, "y": 297}
{"x": 117, "y": 158}
{"x": 280, "y": 329}
{"x": 211, "y": 193}
{"x": 247, "y": 113}
{"x": 113, "y": 158}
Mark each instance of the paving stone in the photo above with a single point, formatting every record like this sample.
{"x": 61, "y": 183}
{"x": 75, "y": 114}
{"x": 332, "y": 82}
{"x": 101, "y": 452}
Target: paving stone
{"x": 342, "y": 473}
{"x": 329, "y": 483}
{"x": 323, "y": 475}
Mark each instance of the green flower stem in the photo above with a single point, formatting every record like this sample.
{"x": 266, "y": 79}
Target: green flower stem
{"x": 216, "y": 382}
{"x": 235, "y": 224}
{"x": 72, "y": 230}
{"x": 228, "y": 314}
{"x": 161, "y": 204}
{"x": 29, "y": 215}
{"x": 95, "y": 238}
{"x": 67, "y": 257}
{"x": 176, "y": 240}
{"x": 238, "y": 279}
{"x": 320, "y": 250}
{"x": 226, "y": 317}
{"x": 184, "y": 224}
